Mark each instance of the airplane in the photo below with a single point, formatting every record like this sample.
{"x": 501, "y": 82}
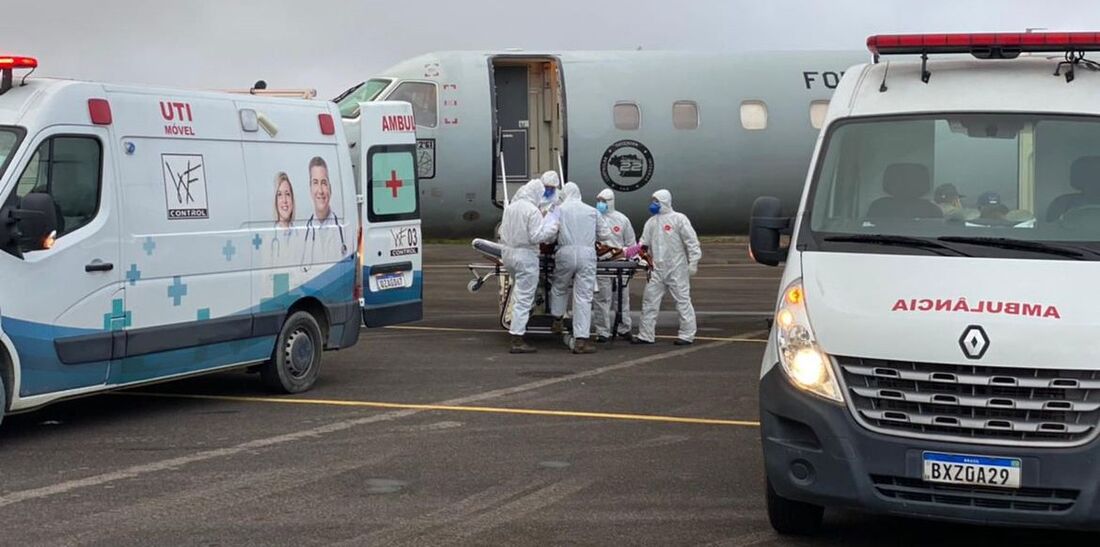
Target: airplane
{"x": 716, "y": 130}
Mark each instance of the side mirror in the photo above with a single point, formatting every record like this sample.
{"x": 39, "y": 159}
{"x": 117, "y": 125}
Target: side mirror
{"x": 36, "y": 221}
{"x": 765, "y": 230}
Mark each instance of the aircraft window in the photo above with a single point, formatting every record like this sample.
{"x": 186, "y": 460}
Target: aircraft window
{"x": 818, "y": 109}
{"x": 754, "y": 115}
{"x": 628, "y": 117}
{"x": 67, "y": 168}
{"x": 423, "y": 98}
{"x": 685, "y": 115}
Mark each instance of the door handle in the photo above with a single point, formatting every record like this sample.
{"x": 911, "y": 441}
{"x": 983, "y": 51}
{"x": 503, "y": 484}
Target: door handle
{"x": 99, "y": 267}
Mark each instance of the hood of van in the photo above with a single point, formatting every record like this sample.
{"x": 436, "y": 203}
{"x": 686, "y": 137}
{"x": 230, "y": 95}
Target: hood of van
{"x": 964, "y": 311}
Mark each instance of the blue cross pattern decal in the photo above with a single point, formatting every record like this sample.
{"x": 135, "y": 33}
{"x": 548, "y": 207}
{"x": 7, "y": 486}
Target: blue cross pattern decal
{"x": 229, "y": 250}
{"x": 257, "y": 241}
{"x": 133, "y": 274}
{"x": 177, "y": 290}
{"x": 118, "y": 318}
{"x": 149, "y": 246}
{"x": 203, "y": 314}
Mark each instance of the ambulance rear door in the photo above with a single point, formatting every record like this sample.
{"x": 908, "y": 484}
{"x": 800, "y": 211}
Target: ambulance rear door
{"x": 392, "y": 252}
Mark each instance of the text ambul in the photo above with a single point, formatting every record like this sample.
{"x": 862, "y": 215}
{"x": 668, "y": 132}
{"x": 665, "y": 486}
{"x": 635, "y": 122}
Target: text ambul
{"x": 398, "y": 123}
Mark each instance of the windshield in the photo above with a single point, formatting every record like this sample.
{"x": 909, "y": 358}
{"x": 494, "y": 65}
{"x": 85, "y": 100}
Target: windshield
{"x": 966, "y": 177}
{"x": 364, "y": 93}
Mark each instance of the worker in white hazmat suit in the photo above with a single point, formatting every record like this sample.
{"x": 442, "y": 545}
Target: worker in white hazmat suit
{"x": 675, "y": 251}
{"x": 522, "y": 229}
{"x": 552, "y": 191}
{"x": 575, "y": 263}
{"x": 619, "y": 235}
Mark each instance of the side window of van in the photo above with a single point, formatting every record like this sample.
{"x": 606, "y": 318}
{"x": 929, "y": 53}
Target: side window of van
{"x": 422, "y": 97}
{"x": 68, "y": 168}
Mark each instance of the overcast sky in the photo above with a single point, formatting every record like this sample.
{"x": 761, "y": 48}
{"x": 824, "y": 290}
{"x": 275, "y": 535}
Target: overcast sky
{"x": 331, "y": 44}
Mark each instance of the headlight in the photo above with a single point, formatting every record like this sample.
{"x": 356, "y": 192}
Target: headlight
{"x": 806, "y": 366}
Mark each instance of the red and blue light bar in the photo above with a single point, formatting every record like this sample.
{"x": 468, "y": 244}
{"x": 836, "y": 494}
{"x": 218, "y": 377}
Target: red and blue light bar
{"x": 991, "y": 44}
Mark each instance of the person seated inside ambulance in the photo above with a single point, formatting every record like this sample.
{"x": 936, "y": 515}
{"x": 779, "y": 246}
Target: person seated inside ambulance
{"x": 905, "y": 185}
{"x": 949, "y": 200}
{"x": 1084, "y": 176}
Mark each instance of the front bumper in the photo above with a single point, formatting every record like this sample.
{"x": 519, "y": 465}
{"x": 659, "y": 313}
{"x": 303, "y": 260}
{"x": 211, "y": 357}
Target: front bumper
{"x": 814, "y": 451}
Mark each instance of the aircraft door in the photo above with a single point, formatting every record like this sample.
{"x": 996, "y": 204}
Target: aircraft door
{"x": 513, "y": 124}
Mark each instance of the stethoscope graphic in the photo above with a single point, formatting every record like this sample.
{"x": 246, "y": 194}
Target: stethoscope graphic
{"x": 311, "y": 241}
{"x": 280, "y": 234}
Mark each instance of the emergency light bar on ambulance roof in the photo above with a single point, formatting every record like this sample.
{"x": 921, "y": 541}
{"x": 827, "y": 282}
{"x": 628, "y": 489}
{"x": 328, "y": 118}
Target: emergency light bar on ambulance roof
{"x": 8, "y": 64}
{"x": 999, "y": 45}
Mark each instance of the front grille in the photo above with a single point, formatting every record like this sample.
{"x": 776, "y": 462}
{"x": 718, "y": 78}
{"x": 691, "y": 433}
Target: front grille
{"x": 1022, "y": 499}
{"x": 982, "y": 404}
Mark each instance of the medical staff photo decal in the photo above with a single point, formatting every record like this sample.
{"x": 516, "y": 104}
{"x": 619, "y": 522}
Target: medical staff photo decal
{"x": 627, "y": 165}
{"x": 185, "y": 186}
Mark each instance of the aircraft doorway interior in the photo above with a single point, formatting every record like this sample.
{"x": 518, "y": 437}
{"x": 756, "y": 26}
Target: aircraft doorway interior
{"x": 529, "y": 125}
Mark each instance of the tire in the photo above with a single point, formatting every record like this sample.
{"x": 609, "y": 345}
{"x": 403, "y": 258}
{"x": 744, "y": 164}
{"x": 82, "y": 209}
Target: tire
{"x": 296, "y": 360}
{"x": 793, "y": 518}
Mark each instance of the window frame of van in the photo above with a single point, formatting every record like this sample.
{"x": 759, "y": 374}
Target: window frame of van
{"x": 397, "y": 83}
{"x": 368, "y": 191}
{"x": 808, "y": 240}
{"x": 20, "y": 135}
{"x": 99, "y": 172}
{"x": 625, "y": 102}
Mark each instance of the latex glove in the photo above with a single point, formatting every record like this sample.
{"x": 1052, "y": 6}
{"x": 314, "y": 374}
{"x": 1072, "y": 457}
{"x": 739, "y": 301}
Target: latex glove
{"x": 693, "y": 268}
{"x": 633, "y": 250}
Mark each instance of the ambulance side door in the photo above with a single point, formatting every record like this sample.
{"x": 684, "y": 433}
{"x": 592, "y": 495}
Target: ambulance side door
{"x": 392, "y": 252}
{"x": 65, "y": 303}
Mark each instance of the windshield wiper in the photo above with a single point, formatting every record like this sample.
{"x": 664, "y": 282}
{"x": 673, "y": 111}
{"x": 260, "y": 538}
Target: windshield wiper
{"x": 1021, "y": 245}
{"x": 900, "y": 241}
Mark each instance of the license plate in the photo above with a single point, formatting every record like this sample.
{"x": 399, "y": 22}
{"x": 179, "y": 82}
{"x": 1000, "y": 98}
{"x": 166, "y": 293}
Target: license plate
{"x": 390, "y": 281}
{"x": 972, "y": 470}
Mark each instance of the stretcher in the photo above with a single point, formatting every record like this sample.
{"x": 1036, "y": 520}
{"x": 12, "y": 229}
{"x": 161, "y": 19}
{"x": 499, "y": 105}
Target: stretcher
{"x": 609, "y": 266}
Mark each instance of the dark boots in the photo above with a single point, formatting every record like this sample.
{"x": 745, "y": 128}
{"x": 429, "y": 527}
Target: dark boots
{"x": 582, "y": 345}
{"x": 519, "y": 346}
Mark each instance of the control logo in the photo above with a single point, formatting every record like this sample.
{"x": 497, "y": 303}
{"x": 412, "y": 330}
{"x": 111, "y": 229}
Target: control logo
{"x": 184, "y": 186}
{"x": 626, "y": 166}
{"x": 974, "y": 342}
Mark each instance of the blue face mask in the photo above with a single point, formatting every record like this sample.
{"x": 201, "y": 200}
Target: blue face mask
{"x": 654, "y": 208}
{"x": 548, "y": 193}
{"x": 601, "y": 206}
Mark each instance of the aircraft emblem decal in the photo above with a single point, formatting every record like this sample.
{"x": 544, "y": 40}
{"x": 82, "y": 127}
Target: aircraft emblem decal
{"x": 627, "y": 165}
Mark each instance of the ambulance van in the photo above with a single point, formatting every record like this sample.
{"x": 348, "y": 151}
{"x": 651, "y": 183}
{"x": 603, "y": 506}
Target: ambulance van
{"x": 148, "y": 234}
{"x": 935, "y": 350}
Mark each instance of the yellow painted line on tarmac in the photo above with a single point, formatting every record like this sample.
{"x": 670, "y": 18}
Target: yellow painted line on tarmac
{"x": 496, "y": 331}
{"x": 455, "y": 408}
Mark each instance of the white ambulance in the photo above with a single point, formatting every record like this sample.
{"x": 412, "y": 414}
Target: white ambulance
{"x": 149, "y": 234}
{"x": 935, "y": 346}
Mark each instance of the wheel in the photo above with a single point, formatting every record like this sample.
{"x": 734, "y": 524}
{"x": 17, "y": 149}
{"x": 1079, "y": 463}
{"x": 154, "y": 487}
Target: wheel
{"x": 473, "y": 285}
{"x": 296, "y": 359}
{"x": 793, "y": 518}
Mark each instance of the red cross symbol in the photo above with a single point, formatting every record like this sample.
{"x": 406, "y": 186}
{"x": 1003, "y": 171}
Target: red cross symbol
{"x": 394, "y": 183}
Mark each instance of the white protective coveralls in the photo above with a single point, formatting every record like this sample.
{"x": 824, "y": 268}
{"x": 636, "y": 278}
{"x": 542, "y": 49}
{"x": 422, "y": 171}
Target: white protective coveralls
{"x": 522, "y": 229}
{"x": 575, "y": 260}
{"x": 675, "y": 251}
{"x": 620, "y": 236}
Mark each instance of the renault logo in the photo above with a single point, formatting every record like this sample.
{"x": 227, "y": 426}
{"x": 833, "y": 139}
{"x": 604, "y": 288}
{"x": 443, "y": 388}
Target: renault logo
{"x": 974, "y": 342}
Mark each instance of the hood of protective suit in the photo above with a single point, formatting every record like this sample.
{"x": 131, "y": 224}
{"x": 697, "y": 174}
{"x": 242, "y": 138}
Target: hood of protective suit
{"x": 664, "y": 197}
{"x": 608, "y": 196}
{"x": 551, "y": 178}
{"x": 571, "y": 192}
{"x": 532, "y": 192}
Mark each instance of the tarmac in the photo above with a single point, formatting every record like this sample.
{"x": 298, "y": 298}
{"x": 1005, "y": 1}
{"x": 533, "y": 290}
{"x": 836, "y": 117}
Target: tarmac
{"x": 433, "y": 434}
